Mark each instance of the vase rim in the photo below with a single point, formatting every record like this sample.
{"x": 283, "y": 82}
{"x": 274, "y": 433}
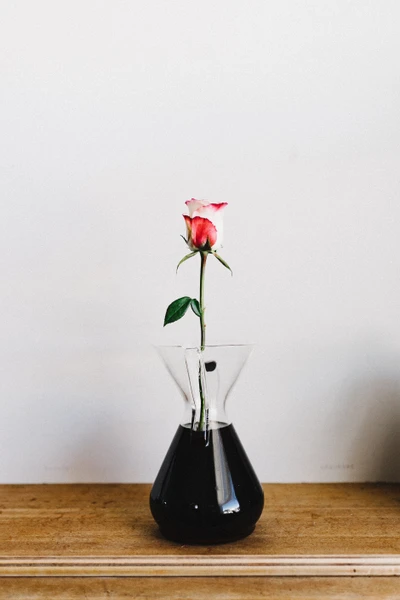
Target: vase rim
{"x": 250, "y": 345}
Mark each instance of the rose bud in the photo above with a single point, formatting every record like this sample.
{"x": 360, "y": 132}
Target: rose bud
{"x": 204, "y": 225}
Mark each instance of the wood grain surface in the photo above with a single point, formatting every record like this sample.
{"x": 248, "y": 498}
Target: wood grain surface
{"x": 107, "y": 530}
{"x": 219, "y": 588}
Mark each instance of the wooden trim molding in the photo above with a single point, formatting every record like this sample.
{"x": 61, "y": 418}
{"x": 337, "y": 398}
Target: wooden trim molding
{"x": 202, "y": 566}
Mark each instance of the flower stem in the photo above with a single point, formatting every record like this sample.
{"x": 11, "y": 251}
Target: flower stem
{"x": 203, "y": 258}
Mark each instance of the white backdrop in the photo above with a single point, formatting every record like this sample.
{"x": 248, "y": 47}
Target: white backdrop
{"x": 112, "y": 114}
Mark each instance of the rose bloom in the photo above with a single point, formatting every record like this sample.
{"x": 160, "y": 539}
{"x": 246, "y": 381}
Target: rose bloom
{"x": 204, "y": 224}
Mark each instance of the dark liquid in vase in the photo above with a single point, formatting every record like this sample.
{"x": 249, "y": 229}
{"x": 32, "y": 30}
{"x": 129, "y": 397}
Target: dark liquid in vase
{"x": 206, "y": 490}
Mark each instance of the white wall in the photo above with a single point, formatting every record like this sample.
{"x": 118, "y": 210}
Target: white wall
{"x": 112, "y": 114}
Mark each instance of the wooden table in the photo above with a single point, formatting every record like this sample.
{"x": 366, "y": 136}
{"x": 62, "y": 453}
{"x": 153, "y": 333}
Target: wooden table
{"x": 99, "y": 541}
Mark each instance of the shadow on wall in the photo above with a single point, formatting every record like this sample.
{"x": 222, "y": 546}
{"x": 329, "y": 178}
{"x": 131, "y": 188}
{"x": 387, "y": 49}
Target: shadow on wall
{"x": 370, "y": 421}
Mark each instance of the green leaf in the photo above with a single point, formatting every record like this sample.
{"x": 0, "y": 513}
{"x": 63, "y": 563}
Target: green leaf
{"x": 185, "y": 258}
{"x": 195, "y": 306}
{"x": 176, "y": 310}
{"x": 222, "y": 261}
{"x": 184, "y": 239}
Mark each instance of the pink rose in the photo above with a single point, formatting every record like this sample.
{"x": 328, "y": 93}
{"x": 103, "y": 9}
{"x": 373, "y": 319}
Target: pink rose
{"x": 204, "y": 224}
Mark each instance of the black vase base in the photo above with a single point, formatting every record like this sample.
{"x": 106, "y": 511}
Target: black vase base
{"x": 198, "y": 538}
{"x": 206, "y": 491}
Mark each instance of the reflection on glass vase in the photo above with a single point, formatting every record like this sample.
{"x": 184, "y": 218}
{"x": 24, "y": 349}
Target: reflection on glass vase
{"x": 206, "y": 490}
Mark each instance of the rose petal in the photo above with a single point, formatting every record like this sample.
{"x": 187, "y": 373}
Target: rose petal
{"x": 216, "y": 218}
{"x": 210, "y": 211}
{"x": 194, "y": 205}
{"x": 204, "y": 233}
{"x": 215, "y": 207}
{"x": 188, "y": 222}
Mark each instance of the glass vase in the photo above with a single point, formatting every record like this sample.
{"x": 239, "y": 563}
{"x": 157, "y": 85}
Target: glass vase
{"x": 206, "y": 490}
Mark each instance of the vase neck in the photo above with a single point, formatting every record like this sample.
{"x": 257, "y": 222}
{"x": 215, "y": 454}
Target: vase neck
{"x": 205, "y": 378}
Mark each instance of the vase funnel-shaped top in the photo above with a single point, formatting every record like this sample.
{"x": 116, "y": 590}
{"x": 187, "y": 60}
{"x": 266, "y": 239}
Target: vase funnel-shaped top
{"x": 205, "y": 378}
